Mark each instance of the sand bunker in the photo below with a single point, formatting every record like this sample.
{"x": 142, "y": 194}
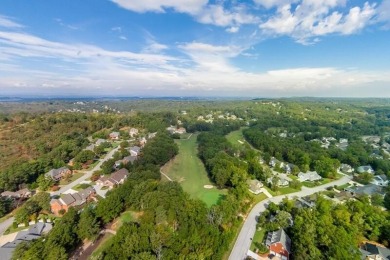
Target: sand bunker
{"x": 208, "y": 186}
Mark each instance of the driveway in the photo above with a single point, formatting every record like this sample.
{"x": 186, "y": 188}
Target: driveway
{"x": 87, "y": 174}
{"x": 5, "y": 224}
{"x": 247, "y": 232}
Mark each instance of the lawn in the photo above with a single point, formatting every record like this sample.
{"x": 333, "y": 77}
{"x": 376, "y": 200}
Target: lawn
{"x": 104, "y": 243}
{"x": 236, "y": 138}
{"x": 258, "y": 198}
{"x": 126, "y": 217}
{"x": 187, "y": 169}
{"x": 258, "y": 238}
{"x": 81, "y": 186}
{"x": 342, "y": 187}
{"x": 281, "y": 191}
{"x": 74, "y": 177}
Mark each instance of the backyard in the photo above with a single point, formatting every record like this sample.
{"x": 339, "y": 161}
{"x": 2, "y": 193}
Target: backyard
{"x": 187, "y": 169}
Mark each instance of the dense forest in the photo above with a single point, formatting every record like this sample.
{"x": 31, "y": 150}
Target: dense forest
{"x": 172, "y": 225}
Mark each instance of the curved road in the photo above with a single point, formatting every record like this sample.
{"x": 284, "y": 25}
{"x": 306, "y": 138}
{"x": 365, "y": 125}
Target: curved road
{"x": 247, "y": 232}
{"x": 87, "y": 174}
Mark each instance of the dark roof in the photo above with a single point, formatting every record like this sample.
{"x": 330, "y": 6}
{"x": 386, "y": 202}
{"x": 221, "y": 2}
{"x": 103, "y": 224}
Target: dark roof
{"x": 135, "y": 149}
{"x": 369, "y": 189}
{"x": 130, "y": 159}
{"x": 120, "y": 175}
{"x": 55, "y": 172}
{"x": 84, "y": 194}
{"x": 279, "y": 236}
{"x": 26, "y": 236}
{"x": 372, "y": 249}
{"x": 68, "y": 199}
{"x": 36, "y": 229}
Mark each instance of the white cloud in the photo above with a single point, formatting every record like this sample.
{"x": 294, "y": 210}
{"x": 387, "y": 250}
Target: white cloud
{"x": 310, "y": 18}
{"x": 8, "y": 23}
{"x": 384, "y": 13}
{"x": 155, "y": 47}
{"x": 123, "y": 37}
{"x": 215, "y": 14}
{"x": 160, "y": 6}
{"x": 233, "y": 29}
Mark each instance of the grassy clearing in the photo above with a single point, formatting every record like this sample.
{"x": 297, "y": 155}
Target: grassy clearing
{"x": 187, "y": 169}
{"x": 81, "y": 186}
{"x": 258, "y": 238}
{"x": 106, "y": 242}
{"x": 342, "y": 187}
{"x": 281, "y": 191}
{"x": 236, "y": 138}
{"x": 74, "y": 177}
{"x": 258, "y": 198}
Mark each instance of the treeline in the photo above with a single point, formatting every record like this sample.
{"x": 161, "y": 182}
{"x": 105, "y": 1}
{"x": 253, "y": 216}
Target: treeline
{"x": 297, "y": 148}
{"x": 329, "y": 230}
{"x": 171, "y": 225}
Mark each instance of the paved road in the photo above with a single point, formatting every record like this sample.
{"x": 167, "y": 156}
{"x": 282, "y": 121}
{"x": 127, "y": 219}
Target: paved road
{"x": 247, "y": 232}
{"x": 87, "y": 174}
{"x": 5, "y": 224}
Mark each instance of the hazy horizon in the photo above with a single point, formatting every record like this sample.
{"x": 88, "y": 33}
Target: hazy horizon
{"x": 268, "y": 48}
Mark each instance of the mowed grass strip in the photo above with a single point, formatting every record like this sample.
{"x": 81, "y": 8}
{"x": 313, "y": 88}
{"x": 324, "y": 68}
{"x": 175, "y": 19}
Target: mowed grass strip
{"x": 187, "y": 169}
{"x": 236, "y": 138}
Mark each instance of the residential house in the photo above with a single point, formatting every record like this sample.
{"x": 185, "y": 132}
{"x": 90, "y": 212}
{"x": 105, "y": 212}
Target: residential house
{"x": 273, "y": 162}
{"x": 8, "y": 243}
{"x": 380, "y": 180}
{"x": 369, "y": 190}
{"x": 125, "y": 160}
{"x": 134, "y": 150}
{"x": 255, "y": 186}
{"x": 152, "y": 135}
{"x": 281, "y": 182}
{"x": 23, "y": 193}
{"x": 374, "y": 251}
{"x": 90, "y": 147}
{"x": 71, "y": 200}
{"x": 116, "y": 178}
{"x": 279, "y": 244}
{"x": 129, "y": 159}
{"x": 309, "y": 176}
{"x": 346, "y": 168}
{"x": 142, "y": 141}
{"x": 133, "y": 132}
{"x": 100, "y": 141}
{"x": 366, "y": 168}
{"x": 304, "y": 203}
{"x": 288, "y": 167}
{"x": 58, "y": 174}
{"x": 176, "y": 130}
{"x": 114, "y": 135}
{"x": 343, "y": 144}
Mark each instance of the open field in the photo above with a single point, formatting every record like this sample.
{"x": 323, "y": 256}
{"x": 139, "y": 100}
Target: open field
{"x": 187, "y": 169}
{"x": 236, "y": 138}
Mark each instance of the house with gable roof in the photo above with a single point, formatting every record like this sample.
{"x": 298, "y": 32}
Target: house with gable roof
{"x": 279, "y": 244}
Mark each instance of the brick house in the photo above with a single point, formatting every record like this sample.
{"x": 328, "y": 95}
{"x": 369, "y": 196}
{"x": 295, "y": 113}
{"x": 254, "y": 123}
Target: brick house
{"x": 116, "y": 178}
{"x": 71, "y": 200}
{"x": 58, "y": 174}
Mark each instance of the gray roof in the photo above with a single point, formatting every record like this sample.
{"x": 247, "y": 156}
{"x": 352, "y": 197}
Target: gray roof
{"x": 119, "y": 175}
{"x": 6, "y": 252}
{"x": 130, "y": 159}
{"x": 26, "y": 236}
{"x": 365, "y": 168}
{"x": 279, "y": 236}
{"x": 369, "y": 189}
{"x": 68, "y": 199}
{"x": 136, "y": 149}
{"x": 36, "y": 229}
{"x": 54, "y": 172}
{"x": 371, "y": 249}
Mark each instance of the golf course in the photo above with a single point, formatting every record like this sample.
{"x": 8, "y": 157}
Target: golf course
{"x": 187, "y": 169}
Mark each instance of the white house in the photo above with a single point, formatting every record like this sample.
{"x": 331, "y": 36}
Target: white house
{"x": 309, "y": 176}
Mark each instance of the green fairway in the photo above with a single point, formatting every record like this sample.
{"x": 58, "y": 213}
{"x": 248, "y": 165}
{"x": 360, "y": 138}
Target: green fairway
{"x": 187, "y": 169}
{"x": 236, "y": 138}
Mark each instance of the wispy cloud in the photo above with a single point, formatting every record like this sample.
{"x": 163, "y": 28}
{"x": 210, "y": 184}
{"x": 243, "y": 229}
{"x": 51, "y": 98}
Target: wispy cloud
{"x": 9, "y": 23}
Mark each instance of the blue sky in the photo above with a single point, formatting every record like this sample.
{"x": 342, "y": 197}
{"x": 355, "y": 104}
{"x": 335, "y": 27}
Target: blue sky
{"x": 268, "y": 48}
